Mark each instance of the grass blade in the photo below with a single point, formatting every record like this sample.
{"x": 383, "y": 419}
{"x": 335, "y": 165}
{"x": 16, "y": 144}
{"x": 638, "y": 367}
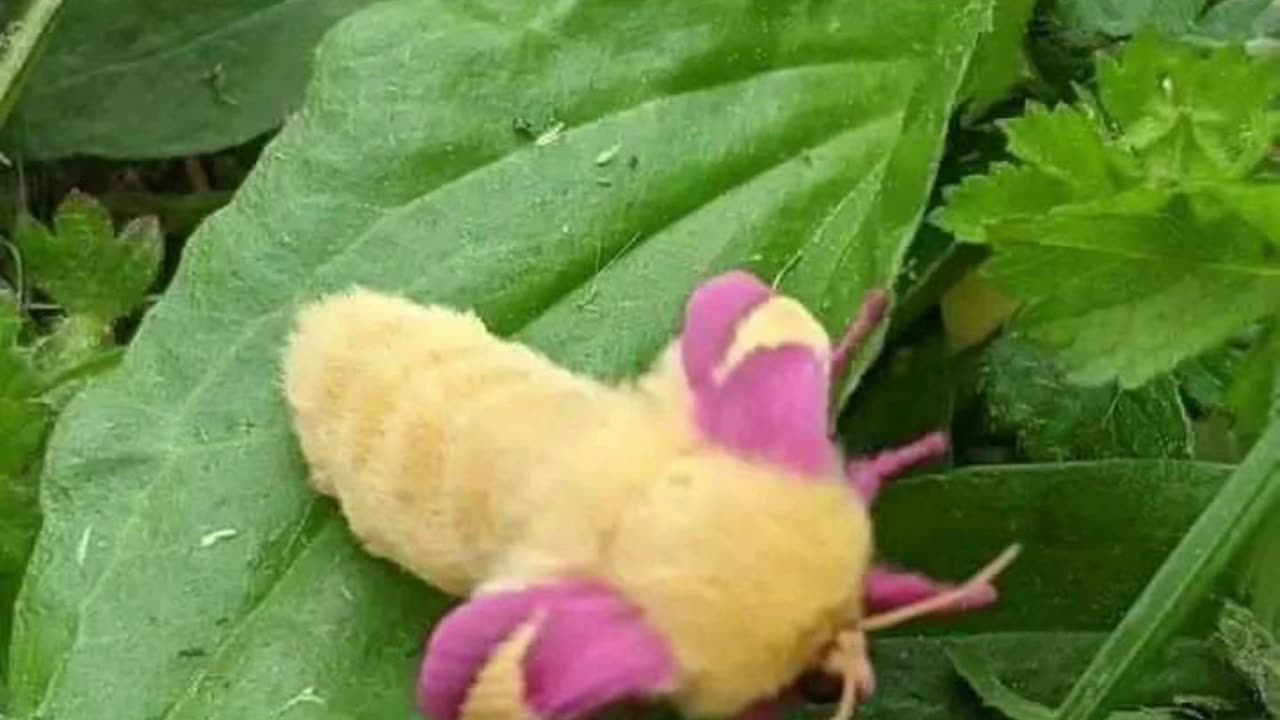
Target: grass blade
{"x": 1217, "y": 538}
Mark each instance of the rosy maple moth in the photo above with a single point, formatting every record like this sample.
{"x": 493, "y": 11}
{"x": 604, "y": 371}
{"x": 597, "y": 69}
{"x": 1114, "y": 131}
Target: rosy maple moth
{"x": 692, "y": 534}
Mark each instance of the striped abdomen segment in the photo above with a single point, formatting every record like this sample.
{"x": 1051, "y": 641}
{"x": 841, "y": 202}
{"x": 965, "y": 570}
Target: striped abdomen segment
{"x": 420, "y": 422}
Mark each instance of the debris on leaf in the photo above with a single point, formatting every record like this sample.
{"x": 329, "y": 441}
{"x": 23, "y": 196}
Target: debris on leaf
{"x": 550, "y": 135}
{"x": 521, "y": 126}
{"x": 308, "y": 695}
{"x": 607, "y": 155}
{"x": 217, "y": 536}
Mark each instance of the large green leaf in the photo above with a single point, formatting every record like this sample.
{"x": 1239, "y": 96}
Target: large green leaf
{"x": 755, "y": 135}
{"x": 134, "y": 78}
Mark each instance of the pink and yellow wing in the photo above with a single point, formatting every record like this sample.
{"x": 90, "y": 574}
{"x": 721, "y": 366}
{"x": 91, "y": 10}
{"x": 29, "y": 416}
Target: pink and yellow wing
{"x": 561, "y": 650}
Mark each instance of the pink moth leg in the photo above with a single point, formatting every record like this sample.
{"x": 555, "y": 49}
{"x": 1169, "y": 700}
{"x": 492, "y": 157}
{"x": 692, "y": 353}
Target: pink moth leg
{"x": 869, "y": 475}
{"x": 870, "y": 315}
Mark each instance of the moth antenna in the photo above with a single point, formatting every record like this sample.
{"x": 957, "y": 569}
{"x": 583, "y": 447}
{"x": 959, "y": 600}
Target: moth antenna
{"x": 870, "y": 315}
{"x": 940, "y": 601}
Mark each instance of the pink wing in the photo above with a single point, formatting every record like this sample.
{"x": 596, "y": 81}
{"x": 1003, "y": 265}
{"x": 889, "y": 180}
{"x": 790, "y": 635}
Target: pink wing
{"x": 773, "y": 406}
{"x": 592, "y": 648}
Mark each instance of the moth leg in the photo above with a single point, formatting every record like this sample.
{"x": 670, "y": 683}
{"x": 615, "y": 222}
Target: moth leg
{"x": 870, "y": 315}
{"x": 889, "y": 588}
{"x": 849, "y": 660}
{"x": 869, "y": 475}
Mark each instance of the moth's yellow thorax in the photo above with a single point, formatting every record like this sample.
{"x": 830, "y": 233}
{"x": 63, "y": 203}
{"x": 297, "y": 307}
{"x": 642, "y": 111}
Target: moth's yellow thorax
{"x": 745, "y": 570}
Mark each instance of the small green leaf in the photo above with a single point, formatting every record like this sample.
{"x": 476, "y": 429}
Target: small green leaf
{"x": 1254, "y": 651}
{"x": 24, "y": 420}
{"x": 76, "y": 351}
{"x": 1029, "y": 395}
{"x": 83, "y": 265}
{"x": 1084, "y": 558}
{"x": 1067, "y": 144}
{"x": 1008, "y": 191}
{"x": 19, "y": 520}
{"x": 994, "y": 693}
{"x": 1142, "y": 241}
{"x": 1205, "y": 379}
{"x": 918, "y": 679}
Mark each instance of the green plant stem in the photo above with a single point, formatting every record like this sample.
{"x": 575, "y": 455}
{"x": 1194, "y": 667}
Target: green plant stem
{"x": 20, "y": 45}
{"x": 1212, "y": 544}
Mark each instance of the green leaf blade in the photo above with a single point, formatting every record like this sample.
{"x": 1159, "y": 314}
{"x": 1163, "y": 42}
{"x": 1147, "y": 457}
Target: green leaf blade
{"x": 139, "y": 80}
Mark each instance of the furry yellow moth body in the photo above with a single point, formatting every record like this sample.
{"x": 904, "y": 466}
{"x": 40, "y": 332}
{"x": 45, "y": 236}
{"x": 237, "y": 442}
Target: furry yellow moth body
{"x": 478, "y": 464}
{"x": 692, "y": 533}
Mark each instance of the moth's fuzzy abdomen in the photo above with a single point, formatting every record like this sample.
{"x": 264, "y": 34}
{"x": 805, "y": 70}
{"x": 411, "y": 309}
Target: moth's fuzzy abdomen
{"x": 419, "y": 422}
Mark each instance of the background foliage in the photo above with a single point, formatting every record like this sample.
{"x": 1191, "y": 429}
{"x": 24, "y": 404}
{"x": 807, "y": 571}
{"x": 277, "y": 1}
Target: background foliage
{"x": 1075, "y": 203}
